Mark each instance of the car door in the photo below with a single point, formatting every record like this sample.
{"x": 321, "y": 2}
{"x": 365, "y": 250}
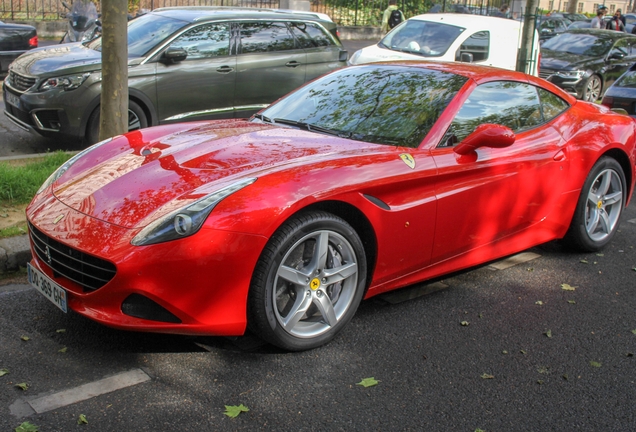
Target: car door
{"x": 620, "y": 58}
{"x": 201, "y": 86}
{"x": 323, "y": 54}
{"x": 496, "y": 192}
{"x": 270, "y": 63}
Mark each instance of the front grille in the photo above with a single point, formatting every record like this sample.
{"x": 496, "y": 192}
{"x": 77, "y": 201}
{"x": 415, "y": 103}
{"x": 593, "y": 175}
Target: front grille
{"x": 545, "y": 73}
{"x": 20, "y": 82}
{"x": 90, "y": 272}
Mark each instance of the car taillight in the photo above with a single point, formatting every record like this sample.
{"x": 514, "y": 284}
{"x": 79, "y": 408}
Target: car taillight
{"x": 33, "y": 42}
{"x": 608, "y": 101}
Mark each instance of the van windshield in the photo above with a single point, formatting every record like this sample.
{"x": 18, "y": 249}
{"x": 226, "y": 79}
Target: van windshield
{"x": 428, "y": 39}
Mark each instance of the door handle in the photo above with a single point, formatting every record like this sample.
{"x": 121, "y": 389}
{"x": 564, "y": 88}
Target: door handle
{"x": 292, "y": 64}
{"x": 224, "y": 69}
{"x": 559, "y": 156}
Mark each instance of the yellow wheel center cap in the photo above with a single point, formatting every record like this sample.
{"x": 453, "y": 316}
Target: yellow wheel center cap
{"x": 599, "y": 204}
{"x": 314, "y": 284}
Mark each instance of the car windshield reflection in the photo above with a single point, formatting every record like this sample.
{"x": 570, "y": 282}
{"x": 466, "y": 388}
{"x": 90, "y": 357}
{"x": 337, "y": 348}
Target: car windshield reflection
{"x": 428, "y": 39}
{"x": 392, "y": 106}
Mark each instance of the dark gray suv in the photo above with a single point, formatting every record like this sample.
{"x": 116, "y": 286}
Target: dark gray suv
{"x": 188, "y": 63}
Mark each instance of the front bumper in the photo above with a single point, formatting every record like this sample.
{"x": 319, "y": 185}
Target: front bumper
{"x": 573, "y": 86}
{"x": 202, "y": 280}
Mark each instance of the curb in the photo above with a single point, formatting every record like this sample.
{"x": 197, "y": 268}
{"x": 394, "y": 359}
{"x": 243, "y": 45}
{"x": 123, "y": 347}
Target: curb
{"x": 15, "y": 252}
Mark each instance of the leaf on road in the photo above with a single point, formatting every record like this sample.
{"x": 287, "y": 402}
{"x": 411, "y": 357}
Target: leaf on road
{"x": 539, "y": 382}
{"x": 479, "y": 430}
{"x": 634, "y": 331}
{"x": 504, "y": 352}
{"x": 62, "y": 350}
{"x": 60, "y": 331}
{"x": 487, "y": 376}
{"x": 595, "y": 364}
{"x": 234, "y": 411}
{"x": 600, "y": 254}
{"x": 82, "y": 419}
{"x": 522, "y": 351}
{"x": 629, "y": 354}
{"x": 27, "y": 427}
{"x": 543, "y": 370}
{"x": 548, "y": 333}
{"x": 22, "y": 386}
{"x": 368, "y": 382}
{"x": 572, "y": 301}
{"x": 567, "y": 287}
{"x": 464, "y": 323}
{"x": 25, "y": 338}
{"x": 584, "y": 261}
{"x": 565, "y": 377}
{"x": 3, "y": 372}
{"x": 481, "y": 315}
{"x": 538, "y": 303}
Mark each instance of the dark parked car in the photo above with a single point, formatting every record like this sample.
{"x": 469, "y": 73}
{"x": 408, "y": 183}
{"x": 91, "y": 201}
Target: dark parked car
{"x": 622, "y": 94}
{"x": 584, "y": 62}
{"x": 188, "y": 63}
{"x": 15, "y": 39}
{"x": 550, "y": 26}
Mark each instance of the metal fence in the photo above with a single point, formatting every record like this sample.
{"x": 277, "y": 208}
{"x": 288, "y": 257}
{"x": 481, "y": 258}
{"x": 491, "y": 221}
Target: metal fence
{"x": 342, "y": 12}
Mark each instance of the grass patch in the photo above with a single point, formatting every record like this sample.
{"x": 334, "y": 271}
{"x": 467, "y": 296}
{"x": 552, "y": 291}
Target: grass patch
{"x": 13, "y": 231}
{"x": 19, "y": 181}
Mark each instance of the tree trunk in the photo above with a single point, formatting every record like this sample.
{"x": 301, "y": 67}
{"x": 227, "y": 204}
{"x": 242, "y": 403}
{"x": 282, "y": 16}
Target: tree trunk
{"x": 526, "y": 56}
{"x": 114, "y": 97}
{"x": 572, "y": 5}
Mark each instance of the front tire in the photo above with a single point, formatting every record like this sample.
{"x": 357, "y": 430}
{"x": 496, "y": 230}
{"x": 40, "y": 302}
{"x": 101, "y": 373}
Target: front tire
{"x": 593, "y": 89}
{"x": 308, "y": 282}
{"x": 136, "y": 120}
{"x": 599, "y": 208}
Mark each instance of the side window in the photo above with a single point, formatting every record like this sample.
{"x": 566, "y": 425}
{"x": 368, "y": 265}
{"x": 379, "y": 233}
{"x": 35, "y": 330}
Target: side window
{"x": 552, "y": 104}
{"x": 310, "y": 35}
{"x": 477, "y": 44}
{"x": 266, "y": 37}
{"x": 205, "y": 41}
{"x": 507, "y": 103}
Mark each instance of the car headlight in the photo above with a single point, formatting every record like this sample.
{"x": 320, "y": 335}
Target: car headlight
{"x": 69, "y": 82}
{"x": 66, "y": 165}
{"x": 574, "y": 74}
{"x": 187, "y": 220}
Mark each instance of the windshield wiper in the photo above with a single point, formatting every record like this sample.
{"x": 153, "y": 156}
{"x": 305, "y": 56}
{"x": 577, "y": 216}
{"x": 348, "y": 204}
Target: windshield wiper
{"x": 261, "y": 117}
{"x": 312, "y": 128}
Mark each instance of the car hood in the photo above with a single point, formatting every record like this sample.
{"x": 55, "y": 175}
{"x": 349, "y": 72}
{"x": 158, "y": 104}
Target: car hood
{"x": 58, "y": 59}
{"x": 563, "y": 61}
{"x": 131, "y": 181}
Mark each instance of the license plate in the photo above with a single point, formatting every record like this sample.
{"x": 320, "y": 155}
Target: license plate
{"x": 49, "y": 289}
{"x": 12, "y": 99}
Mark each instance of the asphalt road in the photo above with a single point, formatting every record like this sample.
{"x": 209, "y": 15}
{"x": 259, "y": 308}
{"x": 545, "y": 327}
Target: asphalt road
{"x": 530, "y": 357}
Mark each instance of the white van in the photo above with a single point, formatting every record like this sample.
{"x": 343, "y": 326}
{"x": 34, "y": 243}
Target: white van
{"x": 490, "y": 41}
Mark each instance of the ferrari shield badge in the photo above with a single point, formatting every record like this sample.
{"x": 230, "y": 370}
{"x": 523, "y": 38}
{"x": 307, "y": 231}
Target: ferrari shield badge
{"x": 408, "y": 160}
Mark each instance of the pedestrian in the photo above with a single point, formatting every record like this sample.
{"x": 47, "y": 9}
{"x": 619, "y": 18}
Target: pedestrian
{"x": 598, "y": 22}
{"x": 503, "y": 12}
{"x": 621, "y": 16}
{"x": 392, "y": 16}
{"x": 615, "y": 23}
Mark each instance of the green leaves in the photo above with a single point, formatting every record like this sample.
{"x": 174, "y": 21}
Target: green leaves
{"x": 595, "y": 364}
{"x": 60, "y": 331}
{"x": 465, "y": 323}
{"x": 368, "y": 382}
{"x": 548, "y": 333}
{"x": 233, "y": 410}
{"x": 62, "y": 350}
{"x": 567, "y": 287}
{"x": 633, "y": 332}
{"x": 82, "y": 419}
{"x": 27, "y": 427}
{"x": 572, "y": 301}
{"x": 487, "y": 376}
{"x": 22, "y": 386}
{"x": 25, "y": 338}
{"x": 3, "y": 372}
{"x": 540, "y": 303}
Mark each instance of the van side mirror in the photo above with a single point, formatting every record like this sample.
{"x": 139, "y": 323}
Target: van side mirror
{"x": 174, "y": 55}
{"x": 466, "y": 57}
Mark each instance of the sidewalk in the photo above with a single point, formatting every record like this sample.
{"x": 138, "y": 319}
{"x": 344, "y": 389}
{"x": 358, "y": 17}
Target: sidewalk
{"x": 14, "y": 253}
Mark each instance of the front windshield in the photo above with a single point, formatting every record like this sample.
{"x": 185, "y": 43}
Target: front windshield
{"x": 428, "y": 39}
{"x": 145, "y": 32}
{"x": 579, "y": 44}
{"x": 385, "y": 105}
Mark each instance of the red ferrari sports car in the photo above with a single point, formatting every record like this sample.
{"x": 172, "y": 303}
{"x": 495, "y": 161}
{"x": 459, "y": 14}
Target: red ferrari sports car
{"x": 363, "y": 181}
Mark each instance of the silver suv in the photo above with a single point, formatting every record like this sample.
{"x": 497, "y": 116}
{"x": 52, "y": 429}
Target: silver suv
{"x": 187, "y": 63}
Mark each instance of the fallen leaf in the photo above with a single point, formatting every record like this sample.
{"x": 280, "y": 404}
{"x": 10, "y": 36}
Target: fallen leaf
{"x": 538, "y": 303}
{"x": 530, "y": 269}
{"x": 62, "y": 350}
{"x": 522, "y": 351}
{"x": 548, "y": 333}
{"x": 595, "y": 364}
{"x": 481, "y": 315}
{"x": 25, "y": 338}
{"x": 539, "y": 382}
{"x": 479, "y": 430}
{"x": 542, "y": 369}
{"x": 600, "y": 254}
{"x": 4, "y": 372}
{"x": 234, "y": 411}
{"x": 567, "y": 287}
{"x": 565, "y": 377}
{"x": 584, "y": 261}
{"x": 630, "y": 354}
{"x": 368, "y": 382}
{"x": 464, "y": 323}
{"x": 572, "y": 301}
{"x": 27, "y": 427}
{"x": 504, "y": 352}
{"x": 22, "y": 386}
{"x": 634, "y": 331}
{"x": 60, "y": 331}
{"x": 487, "y": 376}
{"x": 82, "y": 419}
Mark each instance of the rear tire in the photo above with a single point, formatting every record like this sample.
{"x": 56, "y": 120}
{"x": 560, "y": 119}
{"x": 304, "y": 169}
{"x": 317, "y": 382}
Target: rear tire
{"x": 136, "y": 120}
{"x": 599, "y": 208}
{"x": 593, "y": 89}
{"x": 308, "y": 282}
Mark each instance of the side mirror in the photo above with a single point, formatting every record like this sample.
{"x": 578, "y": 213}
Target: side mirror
{"x": 344, "y": 55}
{"x": 617, "y": 55}
{"x": 486, "y": 135}
{"x": 174, "y": 55}
{"x": 466, "y": 57}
